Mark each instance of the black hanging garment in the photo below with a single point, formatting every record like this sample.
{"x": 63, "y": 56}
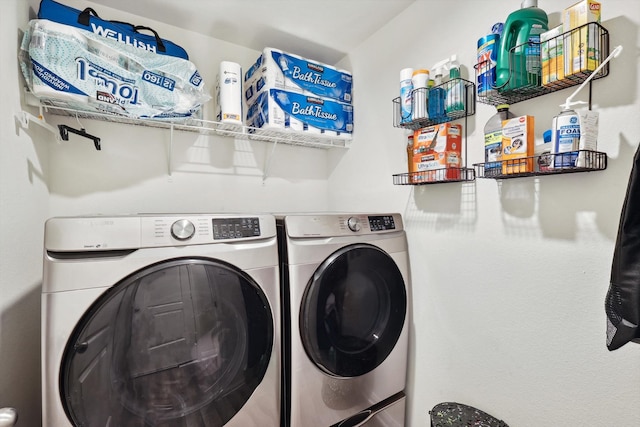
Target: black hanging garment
{"x": 622, "y": 303}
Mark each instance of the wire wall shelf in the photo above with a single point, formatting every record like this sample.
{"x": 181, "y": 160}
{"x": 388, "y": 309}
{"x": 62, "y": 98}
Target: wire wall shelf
{"x": 421, "y": 95}
{"x": 565, "y": 60}
{"x": 208, "y": 127}
{"x": 436, "y": 176}
{"x": 545, "y": 164}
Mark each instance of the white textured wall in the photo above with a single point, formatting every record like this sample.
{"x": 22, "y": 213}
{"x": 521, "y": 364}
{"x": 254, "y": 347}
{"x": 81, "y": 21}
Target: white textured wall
{"x": 23, "y": 209}
{"x": 509, "y": 278}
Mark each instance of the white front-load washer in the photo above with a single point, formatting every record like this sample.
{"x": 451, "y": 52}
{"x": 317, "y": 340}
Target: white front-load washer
{"x": 345, "y": 288}
{"x": 161, "y": 320}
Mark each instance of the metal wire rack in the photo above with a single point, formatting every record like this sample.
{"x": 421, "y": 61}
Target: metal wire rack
{"x": 569, "y": 69}
{"x": 209, "y": 127}
{"x": 413, "y": 123}
{"x": 435, "y": 176}
{"x": 546, "y": 164}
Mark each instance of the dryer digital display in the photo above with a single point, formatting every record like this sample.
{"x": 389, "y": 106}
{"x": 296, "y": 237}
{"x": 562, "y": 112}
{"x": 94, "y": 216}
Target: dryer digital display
{"x": 233, "y": 228}
{"x": 381, "y": 222}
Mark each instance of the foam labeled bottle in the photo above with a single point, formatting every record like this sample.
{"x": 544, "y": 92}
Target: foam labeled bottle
{"x": 518, "y": 58}
{"x": 565, "y": 139}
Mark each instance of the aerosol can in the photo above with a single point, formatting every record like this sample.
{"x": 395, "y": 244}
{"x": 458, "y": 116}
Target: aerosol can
{"x": 565, "y": 138}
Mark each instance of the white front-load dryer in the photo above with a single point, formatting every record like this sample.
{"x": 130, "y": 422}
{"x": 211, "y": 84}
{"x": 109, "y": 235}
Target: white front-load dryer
{"x": 345, "y": 290}
{"x": 161, "y": 320}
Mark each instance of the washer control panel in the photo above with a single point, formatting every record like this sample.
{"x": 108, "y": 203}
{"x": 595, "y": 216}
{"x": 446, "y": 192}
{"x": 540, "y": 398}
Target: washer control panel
{"x": 235, "y": 228}
{"x": 381, "y": 222}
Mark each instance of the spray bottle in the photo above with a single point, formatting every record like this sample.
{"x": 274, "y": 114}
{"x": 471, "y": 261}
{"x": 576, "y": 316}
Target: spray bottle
{"x": 455, "y": 88}
{"x": 571, "y": 133}
{"x": 438, "y": 94}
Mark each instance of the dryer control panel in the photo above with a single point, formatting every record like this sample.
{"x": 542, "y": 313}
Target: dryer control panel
{"x": 327, "y": 225}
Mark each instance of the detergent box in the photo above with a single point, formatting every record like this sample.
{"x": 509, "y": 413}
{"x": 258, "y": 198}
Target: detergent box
{"x": 582, "y": 49}
{"x": 517, "y": 145}
{"x": 281, "y": 109}
{"x": 437, "y": 152}
{"x": 275, "y": 69}
{"x": 552, "y": 55}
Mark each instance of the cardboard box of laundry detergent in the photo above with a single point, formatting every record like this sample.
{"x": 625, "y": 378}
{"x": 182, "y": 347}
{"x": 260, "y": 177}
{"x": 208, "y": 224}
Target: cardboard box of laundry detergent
{"x": 582, "y": 48}
{"x": 437, "y": 153}
{"x": 517, "y": 145}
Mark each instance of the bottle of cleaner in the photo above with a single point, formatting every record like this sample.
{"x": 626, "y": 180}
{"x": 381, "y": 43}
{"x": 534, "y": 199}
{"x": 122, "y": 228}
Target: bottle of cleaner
{"x": 565, "y": 139}
{"x": 437, "y": 96}
{"x": 406, "y": 89}
{"x": 455, "y": 89}
{"x": 518, "y": 59}
{"x": 493, "y": 140}
{"x": 420, "y": 80}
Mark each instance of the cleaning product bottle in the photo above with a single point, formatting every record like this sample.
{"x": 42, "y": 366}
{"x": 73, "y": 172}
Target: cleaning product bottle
{"x": 406, "y": 88}
{"x": 437, "y": 96}
{"x": 565, "y": 138}
{"x": 420, "y": 80}
{"x": 518, "y": 60}
{"x": 455, "y": 89}
{"x": 493, "y": 140}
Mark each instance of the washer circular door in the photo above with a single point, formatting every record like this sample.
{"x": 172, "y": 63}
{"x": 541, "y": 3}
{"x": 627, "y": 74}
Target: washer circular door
{"x": 180, "y": 343}
{"x": 353, "y": 310}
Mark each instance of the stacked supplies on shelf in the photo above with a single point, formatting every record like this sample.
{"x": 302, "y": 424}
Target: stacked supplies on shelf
{"x": 74, "y": 59}
{"x": 283, "y": 91}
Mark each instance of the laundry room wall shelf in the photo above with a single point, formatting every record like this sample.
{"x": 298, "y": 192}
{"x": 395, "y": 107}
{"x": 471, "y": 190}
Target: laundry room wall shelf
{"x": 598, "y": 42}
{"x": 204, "y": 127}
{"x": 566, "y": 162}
{"x": 587, "y": 161}
{"x": 444, "y": 175}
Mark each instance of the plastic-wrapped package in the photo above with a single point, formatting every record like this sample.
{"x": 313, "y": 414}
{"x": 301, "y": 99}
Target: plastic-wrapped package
{"x": 622, "y": 302}
{"x": 78, "y": 69}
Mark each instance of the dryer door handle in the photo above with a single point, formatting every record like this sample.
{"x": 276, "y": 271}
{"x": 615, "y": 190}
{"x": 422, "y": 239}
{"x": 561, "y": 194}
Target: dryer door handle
{"x": 363, "y": 417}
{"x": 358, "y": 419}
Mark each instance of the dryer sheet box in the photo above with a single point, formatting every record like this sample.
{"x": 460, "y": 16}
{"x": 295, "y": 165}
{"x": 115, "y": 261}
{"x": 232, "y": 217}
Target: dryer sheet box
{"x": 275, "y": 69}
{"x": 281, "y": 109}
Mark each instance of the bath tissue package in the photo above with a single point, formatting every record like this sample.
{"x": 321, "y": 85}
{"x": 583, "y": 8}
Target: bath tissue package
{"x": 281, "y": 109}
{"x": 275, "y": 69}
{"x": 74, "y": 68}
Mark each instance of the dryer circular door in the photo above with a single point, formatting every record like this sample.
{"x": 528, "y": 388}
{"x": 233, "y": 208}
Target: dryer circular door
{"x": 180, "y": 343}
{"x": 353, "y": 311}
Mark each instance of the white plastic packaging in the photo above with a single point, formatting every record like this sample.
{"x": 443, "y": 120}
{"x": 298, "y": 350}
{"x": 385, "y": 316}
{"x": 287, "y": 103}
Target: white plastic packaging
{"x": 229, "y": 93}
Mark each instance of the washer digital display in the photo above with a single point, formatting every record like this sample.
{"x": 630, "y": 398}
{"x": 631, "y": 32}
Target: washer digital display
{"x": 382, "y": 222}
{"x": 234, "y": 228}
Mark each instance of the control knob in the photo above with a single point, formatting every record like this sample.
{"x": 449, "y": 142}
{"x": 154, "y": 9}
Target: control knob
{"x": 354, "y": 224}
{"x": 183, "y": 229}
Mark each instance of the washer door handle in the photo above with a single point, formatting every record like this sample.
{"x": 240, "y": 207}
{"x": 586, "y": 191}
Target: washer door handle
{"x": 81, "y": 347}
